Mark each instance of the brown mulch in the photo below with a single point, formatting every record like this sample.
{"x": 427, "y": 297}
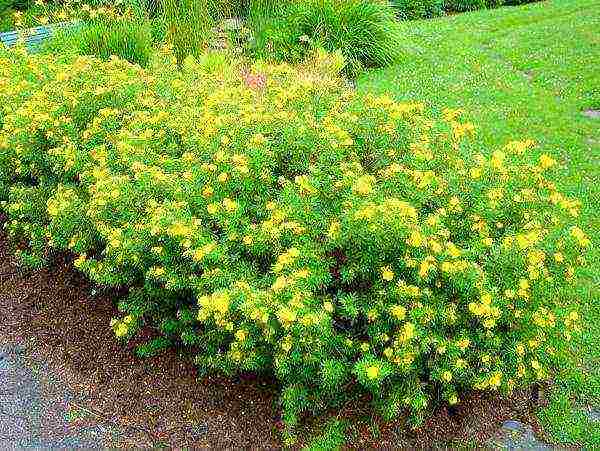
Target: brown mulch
{"x": 55, "y": 316}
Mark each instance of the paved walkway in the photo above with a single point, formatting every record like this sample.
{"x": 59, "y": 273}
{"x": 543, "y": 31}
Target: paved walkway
{"x": 36, "y": 412}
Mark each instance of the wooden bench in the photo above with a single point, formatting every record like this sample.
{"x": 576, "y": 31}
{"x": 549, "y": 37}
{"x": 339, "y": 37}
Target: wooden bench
{"x": 33, "y": 37}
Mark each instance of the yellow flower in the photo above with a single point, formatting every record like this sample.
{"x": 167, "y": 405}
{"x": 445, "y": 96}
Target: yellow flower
{"x": 452, "y": 400}
{"x": 580, "y": 236}
{"x": 497, "y": 161}
{"x": 454, "y": 251}
{"x": 463, "y": 343}
{"x": 523, "y": 284}
{"x": 408, "y": 332}
{"x": 415, "y": 239}
{"x": 450, "y": 114}
{"x": 207, "y": 191}
{"x": 279, "y": 284}
{"x": 334, "y": 230}
{"x": 157, "y": 271}
{"x": 121, "y": 329}
{"x": 212, "y": 208}
{"x": 247, "y": 240}
{"x": 475, "y": 173}
{"x": 446, "y": 376}
{"x": 364, "y": 185}
{"x": 546, "y": 161}
{"x": 454, "y": 204}
{"x": 229, "y": 205}
{"x": 398, "y": 312}
{"x": 489, "y": 323}
{"x": 328, "y": 306}
{"x": 241, "y": 334}
{"x": 287, "y": 344}
{"x": 387, "y": 274}
{"x": 573, "y": 316}
{"x": 221, "y": 302}
{"x": 304, "y": 183}
{"x": 495, "y": 379}
{"x": 558, "y": 257}
{"x": 79, "y": 261}
{"x": 373, "y": 372}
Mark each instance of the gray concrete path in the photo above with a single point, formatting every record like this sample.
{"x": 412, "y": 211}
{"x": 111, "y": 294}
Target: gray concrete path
{"x": 36, "y": 412}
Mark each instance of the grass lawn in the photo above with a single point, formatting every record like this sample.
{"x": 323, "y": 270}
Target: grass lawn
{"x": 526, "y": 72}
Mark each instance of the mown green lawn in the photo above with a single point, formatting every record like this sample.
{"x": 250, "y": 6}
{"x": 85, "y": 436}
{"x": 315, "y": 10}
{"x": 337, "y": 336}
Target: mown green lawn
{"x": 526, "y": 72}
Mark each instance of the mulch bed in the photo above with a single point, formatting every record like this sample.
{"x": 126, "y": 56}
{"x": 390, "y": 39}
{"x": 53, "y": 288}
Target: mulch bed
{"x": 60, "y": 321}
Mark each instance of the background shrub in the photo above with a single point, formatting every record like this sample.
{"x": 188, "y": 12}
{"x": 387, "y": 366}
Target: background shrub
{"x": 471, "y": 5}
{"x": 464, "y": 5}
{"x": 19, "y": 5}
{"x": 274, "y": 221}
{"x": 518, "y": 2}
{"x": 188, "y": 25}
{"x": 418, "y": 9}
{"x": 125, "y": 37}
{"x": 364, "y": 31}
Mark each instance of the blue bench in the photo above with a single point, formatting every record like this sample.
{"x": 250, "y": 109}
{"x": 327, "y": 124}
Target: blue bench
{"x": 33, "y": 37}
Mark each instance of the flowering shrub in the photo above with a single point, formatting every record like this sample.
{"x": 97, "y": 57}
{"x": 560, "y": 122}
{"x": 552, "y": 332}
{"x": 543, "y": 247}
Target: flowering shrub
{"x": 272, "y": 220}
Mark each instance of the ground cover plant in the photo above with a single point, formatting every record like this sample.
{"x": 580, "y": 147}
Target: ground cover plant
{"x": 526, "y": 71}
{"x": 272, "y": 220}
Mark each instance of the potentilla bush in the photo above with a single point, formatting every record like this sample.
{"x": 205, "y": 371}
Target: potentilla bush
{"x": 272, "y": 220}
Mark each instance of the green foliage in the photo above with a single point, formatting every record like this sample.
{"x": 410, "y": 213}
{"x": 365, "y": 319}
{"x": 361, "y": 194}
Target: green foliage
{"x": 518, "y": 2}
{"x": 153, "y": 347}
{"x": 364, "y": 31}
{"x": 127, "y": 38}
{"x": 332, "y": 438}
{"x": 464, "y": 5}
{"x": 154, "y": 8}
{"x": 18, "y": 5}
{"x": 418, "y": 9}
{"x": 279, "y": 222}
{"x": 471, "y": 5}
{"x": 188, "y": 25}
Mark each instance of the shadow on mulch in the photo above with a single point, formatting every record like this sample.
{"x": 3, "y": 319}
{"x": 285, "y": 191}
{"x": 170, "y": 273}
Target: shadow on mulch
{"x": 53, "y": 314}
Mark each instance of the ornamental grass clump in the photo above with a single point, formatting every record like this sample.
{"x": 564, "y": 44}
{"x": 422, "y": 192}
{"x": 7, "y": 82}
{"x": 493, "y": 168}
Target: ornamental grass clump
{"x": 271, "y": 220}
{"x": 366, "y": 32}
